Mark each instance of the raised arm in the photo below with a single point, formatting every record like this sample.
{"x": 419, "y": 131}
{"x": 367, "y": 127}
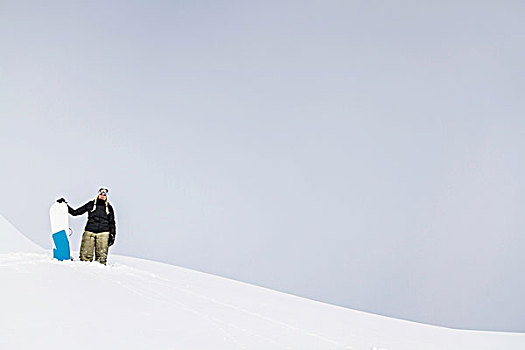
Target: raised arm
{"x": 83, "y": 209}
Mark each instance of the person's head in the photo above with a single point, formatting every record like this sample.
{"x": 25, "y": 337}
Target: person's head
{"x": 103, "y": 193}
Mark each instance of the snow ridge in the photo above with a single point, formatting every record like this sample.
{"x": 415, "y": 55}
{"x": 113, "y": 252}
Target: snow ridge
{"x": 13, "y": 240}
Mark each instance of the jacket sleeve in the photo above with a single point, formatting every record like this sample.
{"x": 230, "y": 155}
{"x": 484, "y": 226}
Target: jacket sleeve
{"x": 112, "y": 226}
{"x": 83, "y": 209}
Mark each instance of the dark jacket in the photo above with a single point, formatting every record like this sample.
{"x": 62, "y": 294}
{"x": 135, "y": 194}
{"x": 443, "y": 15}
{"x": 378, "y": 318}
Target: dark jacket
{"x": 100, "y": 217}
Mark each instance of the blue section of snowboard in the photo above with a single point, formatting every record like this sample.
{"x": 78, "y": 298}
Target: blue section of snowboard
{"x": 61, "y": 252}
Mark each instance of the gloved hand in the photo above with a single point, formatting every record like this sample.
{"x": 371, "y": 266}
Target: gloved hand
{"x": 111, "y": 239}
{"x": 61, "y": 200}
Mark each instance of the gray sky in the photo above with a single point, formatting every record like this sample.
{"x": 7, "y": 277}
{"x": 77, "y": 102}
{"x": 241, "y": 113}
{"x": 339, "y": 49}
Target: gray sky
{"x": 367, "y": 154}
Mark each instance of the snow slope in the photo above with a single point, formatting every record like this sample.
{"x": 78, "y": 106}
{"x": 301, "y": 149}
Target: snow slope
{"x": 139, "y": 304}
{"x": 13, "y": 241}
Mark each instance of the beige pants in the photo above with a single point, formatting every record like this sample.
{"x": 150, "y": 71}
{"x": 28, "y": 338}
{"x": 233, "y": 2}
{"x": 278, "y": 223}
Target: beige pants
{"x": 97, "y": 242}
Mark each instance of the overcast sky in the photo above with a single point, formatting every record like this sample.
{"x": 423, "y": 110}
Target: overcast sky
{"x": 366, "y": 154}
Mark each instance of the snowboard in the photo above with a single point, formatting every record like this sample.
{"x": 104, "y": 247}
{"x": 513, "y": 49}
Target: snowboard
{"x": 58, "y": 215}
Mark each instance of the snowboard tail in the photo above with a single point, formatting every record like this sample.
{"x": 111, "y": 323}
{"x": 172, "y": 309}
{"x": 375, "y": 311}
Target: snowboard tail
{"x": 61, "y": 252}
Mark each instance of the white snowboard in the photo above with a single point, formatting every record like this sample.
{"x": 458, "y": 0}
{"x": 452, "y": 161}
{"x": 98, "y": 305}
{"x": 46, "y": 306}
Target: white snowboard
{"x": 58, "y": 215}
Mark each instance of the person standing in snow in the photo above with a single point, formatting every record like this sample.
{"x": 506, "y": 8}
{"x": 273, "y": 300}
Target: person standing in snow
{"x": 100, "y": 229}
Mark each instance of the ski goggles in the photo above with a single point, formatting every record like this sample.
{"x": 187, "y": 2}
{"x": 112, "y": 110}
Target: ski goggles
{"x": 103, "y": 191}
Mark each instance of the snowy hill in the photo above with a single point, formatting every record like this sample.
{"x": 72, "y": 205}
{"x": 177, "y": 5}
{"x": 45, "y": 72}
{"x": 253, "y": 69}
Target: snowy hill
{"x": 139, "y": 304}
{"x": 14, "y": 241}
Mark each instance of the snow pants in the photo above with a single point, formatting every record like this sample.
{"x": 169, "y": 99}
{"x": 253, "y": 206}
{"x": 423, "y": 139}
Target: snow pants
{"x": 97, "y": 242}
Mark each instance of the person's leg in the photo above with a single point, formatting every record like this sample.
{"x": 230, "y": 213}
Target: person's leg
{"x": 101, "y": 247}
{"x": 86, "y": 246}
